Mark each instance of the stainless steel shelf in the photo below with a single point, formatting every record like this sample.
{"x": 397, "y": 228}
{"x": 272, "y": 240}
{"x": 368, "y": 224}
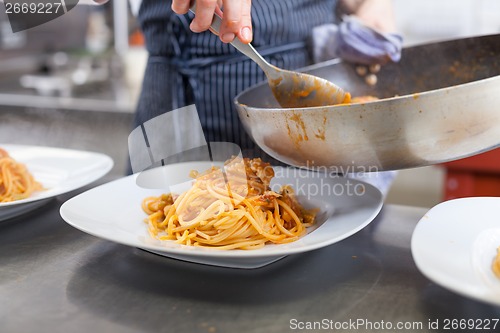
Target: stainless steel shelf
{"x": 66, "y": 103}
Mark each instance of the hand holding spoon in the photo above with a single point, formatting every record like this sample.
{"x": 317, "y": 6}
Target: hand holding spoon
{"x": 291, "y": 89}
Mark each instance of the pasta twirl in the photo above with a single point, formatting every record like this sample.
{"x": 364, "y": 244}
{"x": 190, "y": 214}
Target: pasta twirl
{"x": 16, "y": 182}
{"x": 234, "y": 209}
{"x": 496, "y": 264}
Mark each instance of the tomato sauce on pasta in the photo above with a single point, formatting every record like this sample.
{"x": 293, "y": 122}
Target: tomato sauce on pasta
{"x": 16, "y": 182}
{"x": 230, "y": 209}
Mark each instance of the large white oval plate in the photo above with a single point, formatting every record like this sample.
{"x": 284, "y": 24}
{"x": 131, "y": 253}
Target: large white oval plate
{"x": 455, "y": 243}
{"x": 59, "y": 171}
{"x": 113, "y": 211}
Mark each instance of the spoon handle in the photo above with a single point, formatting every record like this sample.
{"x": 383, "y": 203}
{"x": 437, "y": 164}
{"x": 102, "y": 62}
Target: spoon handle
{"x": 246, "y": 49}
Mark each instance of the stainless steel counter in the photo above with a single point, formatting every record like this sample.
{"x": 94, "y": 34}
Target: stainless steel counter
{"x": 54, "y": 278}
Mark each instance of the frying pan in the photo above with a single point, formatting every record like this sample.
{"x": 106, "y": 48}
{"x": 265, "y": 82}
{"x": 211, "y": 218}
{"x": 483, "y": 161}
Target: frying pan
{"x": 440, "y": 103}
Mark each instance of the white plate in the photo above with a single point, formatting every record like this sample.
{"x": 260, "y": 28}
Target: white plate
{"x": 59, "y": 171}
{"x": 113, "y": 212}
{"x": 455, "y": 243}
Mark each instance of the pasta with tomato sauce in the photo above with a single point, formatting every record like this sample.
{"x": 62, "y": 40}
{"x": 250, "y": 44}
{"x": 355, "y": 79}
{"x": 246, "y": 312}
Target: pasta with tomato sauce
{"x": 16, "y": 182}
{"x": 496, "y": 264}
{"x": 229, "y": 208}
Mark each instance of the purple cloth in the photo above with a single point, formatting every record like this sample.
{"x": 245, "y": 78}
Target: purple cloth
{"x": 353, "y": 41}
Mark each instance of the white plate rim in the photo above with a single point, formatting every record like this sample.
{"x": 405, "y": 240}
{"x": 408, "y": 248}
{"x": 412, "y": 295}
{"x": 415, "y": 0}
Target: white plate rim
{"x": 106, "y": 164}
{"x": 471, "y": 285}
{"x": 182, "y": 250}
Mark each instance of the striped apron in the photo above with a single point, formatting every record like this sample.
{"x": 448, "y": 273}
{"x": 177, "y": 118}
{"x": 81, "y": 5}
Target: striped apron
{"x": 186, "y": 68}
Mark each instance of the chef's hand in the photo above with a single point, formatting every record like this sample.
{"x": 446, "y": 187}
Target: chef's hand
{"x": 377, "y": 14}
{"x": 236, "y": 20}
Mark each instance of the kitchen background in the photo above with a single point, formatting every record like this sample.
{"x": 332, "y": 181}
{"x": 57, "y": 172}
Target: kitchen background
{"x": 74, "y": 82}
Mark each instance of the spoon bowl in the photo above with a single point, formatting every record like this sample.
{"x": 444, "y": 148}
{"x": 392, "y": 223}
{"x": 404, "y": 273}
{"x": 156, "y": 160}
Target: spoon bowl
{"x": 300, "y": 90}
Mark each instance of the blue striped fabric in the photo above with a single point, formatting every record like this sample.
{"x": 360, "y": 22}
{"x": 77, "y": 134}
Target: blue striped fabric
{"x": 186, "y": 68}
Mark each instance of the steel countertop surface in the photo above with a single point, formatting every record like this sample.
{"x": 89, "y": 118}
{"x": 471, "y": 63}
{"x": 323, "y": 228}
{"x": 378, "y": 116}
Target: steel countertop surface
{"x": 55, "y": 278}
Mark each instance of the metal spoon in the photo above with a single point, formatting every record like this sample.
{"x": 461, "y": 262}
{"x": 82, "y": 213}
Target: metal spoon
{"x": 291, "y": 89}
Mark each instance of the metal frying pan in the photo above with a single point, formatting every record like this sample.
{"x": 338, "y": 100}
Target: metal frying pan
{"x": 440, "y": 103}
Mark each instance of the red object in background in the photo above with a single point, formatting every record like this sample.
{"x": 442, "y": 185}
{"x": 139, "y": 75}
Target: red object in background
{"x": 473, "y": 176}
{"x": 136, "y": 38}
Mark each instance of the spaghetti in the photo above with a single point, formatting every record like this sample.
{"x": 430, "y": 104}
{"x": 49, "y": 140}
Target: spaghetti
{"x": 230, "y": 209}
{"x": 16, "y": 182}
{"x": 496, "y": 264}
